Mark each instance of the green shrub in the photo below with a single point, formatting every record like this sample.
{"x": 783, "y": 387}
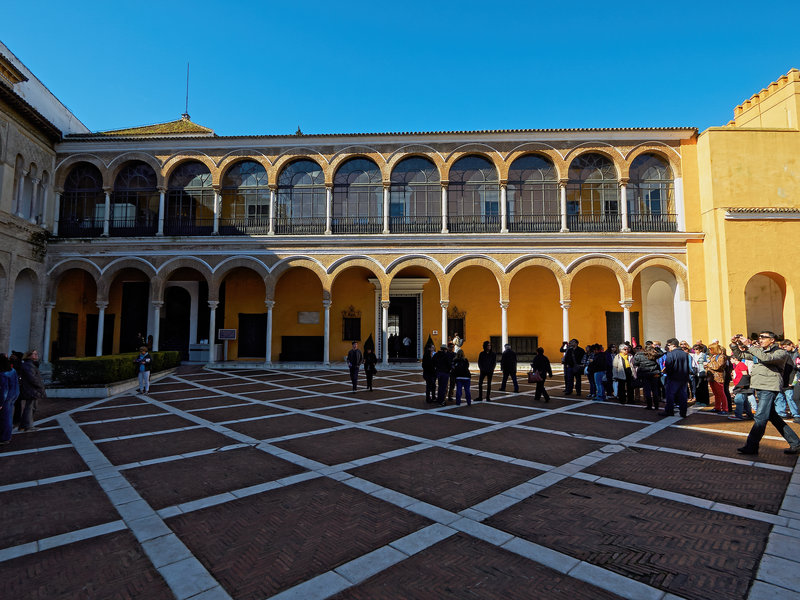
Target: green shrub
{"x": 108, "y": 369}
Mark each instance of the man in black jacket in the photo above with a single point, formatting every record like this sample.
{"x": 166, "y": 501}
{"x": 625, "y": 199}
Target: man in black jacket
{"x": 573, "y": 356}
{"x": 508, "y": 364}
{"x": 354, "y": 360}
{"x": 487, "y": 360}
{"x": 442, "y": 361}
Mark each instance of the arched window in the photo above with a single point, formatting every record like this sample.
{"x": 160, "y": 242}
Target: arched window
{"x": 245, "y": 199}
{"x": 593, "y": 194}
{"x": 415, "y": 197}
{"x": 532, "y": 195}
{"x": 651, "y": 195}
{"x": 40, "y": 205}
{"x": 82, "y": 203}
{"x": 134, "y": 203}
{"x": 473, "y": 196}
{"x": 357, "y": 198}
{"x": 300, "y": 206}
{"x": 190, "y": 201}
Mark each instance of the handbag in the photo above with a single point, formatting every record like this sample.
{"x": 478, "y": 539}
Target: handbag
{"x": 534, "y": 377}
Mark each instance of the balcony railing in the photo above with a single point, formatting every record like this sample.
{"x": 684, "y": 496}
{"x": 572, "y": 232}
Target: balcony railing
{"x": 594, "y": 222}
{"x": 79, "y": 227}
{"x": 300, "y": 225}
{"x": 415, "y": 224}
{"x": 651, "y": 222}
{"x": 244, "y": 226}
{"x": 534, "y": 223}
{"x": 357, "y": 224}
{"x": 473, "y": 223}
{"x": 132, "y": 227}
{"x": 188, "y": 226}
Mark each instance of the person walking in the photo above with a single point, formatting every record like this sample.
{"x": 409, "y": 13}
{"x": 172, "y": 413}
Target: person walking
{"x": 354, "y": 360}
{"x": 508, "y": 364}
{"x": 443, "y": 363}
{"x": 678, "y": 369}
{"x": 143, "y": 363}
{"x": 429, "y": 373}
{"x": 9, "y": 391}
{"x": 766, "y": 378}
{"x": 487, "y": 361}
{"x": 463, "y": 376}
{"x": 370, "y": 360}
{"x": 31, "y": 389}
{"x": 541, "y": 365}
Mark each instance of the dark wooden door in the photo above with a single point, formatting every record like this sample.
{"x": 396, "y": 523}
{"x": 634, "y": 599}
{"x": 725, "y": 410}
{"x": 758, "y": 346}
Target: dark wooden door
{"x": 252, "y": 335}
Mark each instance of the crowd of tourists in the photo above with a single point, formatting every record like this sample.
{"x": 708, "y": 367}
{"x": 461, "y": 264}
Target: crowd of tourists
{"x": 21, "y": 387}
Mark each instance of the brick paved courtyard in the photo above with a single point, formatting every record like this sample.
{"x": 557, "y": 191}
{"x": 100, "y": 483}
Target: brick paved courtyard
{"x": 253, "y": 484}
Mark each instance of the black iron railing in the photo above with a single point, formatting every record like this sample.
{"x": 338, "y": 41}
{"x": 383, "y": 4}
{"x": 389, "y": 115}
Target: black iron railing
{"x": 77, "y": 227}
{"x": 188, "y": 226}
{"x": 357, "y": 224}
{"x": 652, "y": 222}
{"x": 473, "y": 223}
{"x": 132, "y": 227}
{"x": 244, "y": 226}
{"x": 594, "y": 222}
{"x": 415, "y": 224}
{"x": 534, "y": 223}
{"x": 300, "y": 226}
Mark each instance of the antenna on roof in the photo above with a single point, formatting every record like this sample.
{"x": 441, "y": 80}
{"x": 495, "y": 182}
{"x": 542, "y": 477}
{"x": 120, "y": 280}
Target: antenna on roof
{"x": 185, "y": 115}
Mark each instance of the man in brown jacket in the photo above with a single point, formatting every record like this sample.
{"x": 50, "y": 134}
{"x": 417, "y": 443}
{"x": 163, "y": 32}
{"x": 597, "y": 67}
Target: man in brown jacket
{"x": 766, "y": 379}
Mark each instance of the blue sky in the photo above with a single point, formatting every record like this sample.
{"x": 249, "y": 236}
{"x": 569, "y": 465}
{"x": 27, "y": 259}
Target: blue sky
{"x": 345, "y": 67}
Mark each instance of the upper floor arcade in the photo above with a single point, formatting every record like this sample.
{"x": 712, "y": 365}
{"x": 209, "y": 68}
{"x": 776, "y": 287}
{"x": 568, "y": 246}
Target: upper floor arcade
{"x": 466, "y": 184}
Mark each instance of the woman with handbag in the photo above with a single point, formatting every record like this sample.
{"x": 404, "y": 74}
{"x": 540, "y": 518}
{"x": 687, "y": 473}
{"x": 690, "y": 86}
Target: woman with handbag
{"x": 540, "y": 371}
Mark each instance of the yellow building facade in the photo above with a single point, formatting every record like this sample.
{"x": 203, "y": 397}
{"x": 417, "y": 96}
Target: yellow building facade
{"x": 299, "y": 245}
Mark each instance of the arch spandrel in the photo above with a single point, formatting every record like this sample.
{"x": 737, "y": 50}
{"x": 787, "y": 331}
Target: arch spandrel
{"x": 484, "y": 151}
{"x": 57, "y": 271}
{"x": 236, "y": 156}
{"x": 111, "y": 270}
{"x": 415, "y": 151}
{"x": 535, "y": 149}
{"x": 340, "y": 158}
{"x": 177, "y": 160}
{"x": 608, "y": 151}
{"x": 668, "y": 153}
{"x": 119, "y": 162}
{"x": 63, "y": 169}
{"x": 668, "y": 263}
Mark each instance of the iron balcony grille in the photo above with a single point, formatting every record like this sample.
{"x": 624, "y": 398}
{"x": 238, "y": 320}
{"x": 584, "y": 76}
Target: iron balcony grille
{"x": 357, "y": 225}
{"x": 653, "y": 222}
{"x": 244, "y": 226}
{"x": 534, "y": 223}
{"x": 473, "y": 223}
{"x": 132, "y": 227}
{"x": 78, "y": 227}
{"x": 594, "y": 222}
{"x": 188, "y": 226}
{"x": 415, "y": 224}
{"x": 300, "y": 226}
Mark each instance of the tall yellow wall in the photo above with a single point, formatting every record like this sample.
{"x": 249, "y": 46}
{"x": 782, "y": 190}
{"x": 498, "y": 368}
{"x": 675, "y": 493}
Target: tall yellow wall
{"x": 75, "y": 287}
{"x": 244, "y": 293}
{"x": 352, "y": 288}
{"x": 594, "y": 291}
{"x": 474, "y": 290}
{"x": 534, "y": 308}
{"x": 297, "y": 290}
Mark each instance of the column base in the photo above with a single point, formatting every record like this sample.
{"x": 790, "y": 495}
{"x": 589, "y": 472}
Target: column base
{"x": 564, "y": 230}
{"x": 445, "y": 231}
{"x": 504, "y": 231}
{"x": 625, "y": 230}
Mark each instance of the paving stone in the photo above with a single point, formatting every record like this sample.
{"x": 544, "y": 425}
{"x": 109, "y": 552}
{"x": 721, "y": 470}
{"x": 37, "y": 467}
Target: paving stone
{"x": 39, "y": 465}
{"x": 598, "y": 427}
{"x": 343, "y": 446}
{"x": 134, "y": 426}
{"x": 431, "y": 426}
{"x": 273, "y": 427}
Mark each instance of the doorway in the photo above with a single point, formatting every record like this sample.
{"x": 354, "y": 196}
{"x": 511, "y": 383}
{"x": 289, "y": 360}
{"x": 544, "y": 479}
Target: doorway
{"x": 176, "y": 321}
{"x": 403, "y": 328}
{"x": 252, "y": 335}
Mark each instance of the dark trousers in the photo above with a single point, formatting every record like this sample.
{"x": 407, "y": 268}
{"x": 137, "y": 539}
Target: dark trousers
{"x": 677, "y": 392}
{"x": 651, "y": 387}
{"x": 766, "y": 412}
{"x": 540, "y": 391}
{"x": 488, "y": 377}
{"x": 369, "y": 375}
{"x": 572, "y": 378}
{"x": 430, "y": 386}
{"x": 354, "y": 377}
{"x": 26, "y": 420}
{"x": 443, "y": 379}
{"x": 625, "y": 390}
{"x": 451, "y": 387}
{"x": 506, "y": 375}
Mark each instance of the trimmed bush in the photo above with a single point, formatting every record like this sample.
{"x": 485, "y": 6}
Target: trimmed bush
{"x": 108, "y": 369}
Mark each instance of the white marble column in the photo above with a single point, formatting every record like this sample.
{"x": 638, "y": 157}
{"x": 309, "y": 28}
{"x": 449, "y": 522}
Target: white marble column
{"x": 271, "y": 231}
{"x": 270, "y": 305}
{"x": 161, "y": 209}
{"x": 385, "y": 208}
{"x": 504, "y": 323}
{"x": 385, "y": 330}
{"x": 444, "y": 304}
{"x": 326, "y": 350}
{"x": 444, "y": 208}
{"x": 56, "y": 213}
{"x": 101, "y": 320}
{"x": 626, "y": 318}
{"x": 107, "y": 215}
{"x": 156, "y": 323}
{"x": 562, "y": 187}
{"x": 35, "y": 188}
{"x": 328, "y": 208}
{"x": 20, "y": 194}
{"x": 623, "y": 202}
{"x": 217, "y": 208}
{"x": 503, "y": 208}
{"x": 48, "y": 325}
{"x": 565, "y": 304}
{"x": 212, "y": 328}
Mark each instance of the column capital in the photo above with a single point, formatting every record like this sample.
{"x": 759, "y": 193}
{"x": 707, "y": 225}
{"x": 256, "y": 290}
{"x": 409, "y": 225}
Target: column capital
{"x": 107, "y": 190}
{"x": 213, "y": 304}
{"x": 58, "y": 190}
{"x": 270, "y": 304}
{"x": 102, "y": 305}
{"x": 623, "y": 181}
{"x": 162, "y": 190}
{"x": 504, "y": 304}
{"x": 327, "y": 303}
{"x": 49, "y": 305}
{"x": 385, "y": 304}
{"x": 563, "y": 182}
{"x": 626, "y": 304}
{"x": 328, "y": 185}
{"x": 444, "y": 304}
{"x": 565, "y": 304}
{"x": 444, "y": 183}
{"x": 387, "y": 184}
{"x": 273, "y": 187}
{"x": 157, "y": 304}
{"x": 503, "y": 183}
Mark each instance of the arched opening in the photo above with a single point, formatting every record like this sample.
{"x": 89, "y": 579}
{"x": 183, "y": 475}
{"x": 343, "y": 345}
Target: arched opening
{"x": 300, "y": 206}
{"x": 415, "y": 197}
{"x": 22, "y": 303}
{"x": 651, "y": 195}
{"x": 532, "y": 195}
{"x": 75, "y": 316}
{"x": 764, "y": 297}
{"x": 298, "y": 331}
{"x": 129, "y": 297}
{"x": 534, "y": 316}
{"x": 353, "y": 311}
{"x": 658, "y": 289}
{"x": 134, "y": 203}
{"x": 473, "y": 196}
{"x": 241, "y": 307}
{"x": 595, "y": 315}
{"x": 245, "y": 200}
{"x": 185, "y": 316}
{"x": 357, "y": 198}
{"x": 190, "y": 201}
{"x": 82, "y": 203}
{"x": 474, "y": 310}
{"x": 414, "y": 312}
{"x": 593, "y": 194}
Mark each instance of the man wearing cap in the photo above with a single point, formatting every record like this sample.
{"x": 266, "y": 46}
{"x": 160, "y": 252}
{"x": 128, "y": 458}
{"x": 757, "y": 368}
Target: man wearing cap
{"x": 508, "y": 364}
{"x": 766, "y": 379}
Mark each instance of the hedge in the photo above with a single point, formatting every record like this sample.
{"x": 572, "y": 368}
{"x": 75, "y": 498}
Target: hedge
{"x": 108, "y": 369}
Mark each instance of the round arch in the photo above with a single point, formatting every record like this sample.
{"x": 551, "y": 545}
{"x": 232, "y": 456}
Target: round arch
{"x": 340, "y": 159}
{"x": 605, "y": 150}
{"x": 55, "y": 274}
{"x": 547, "y": 152}
{"x": 282, "y": 266}
{"x": 605, "y": 262}
{"x": 119, "y": 162}
{"x": 111, "y": 270}
{"x": 229, "y": 160}
{"x": 667, "y": 153}
{"x": 175, "y": 161}
{"x": 63, "y": 169}
{"x": 669, "y": 263}
{"x": 415, "y": 150}
{"x": 483, "y": 151}
{"x": 765, "y": 296}
{"x": 544, "y": 261}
